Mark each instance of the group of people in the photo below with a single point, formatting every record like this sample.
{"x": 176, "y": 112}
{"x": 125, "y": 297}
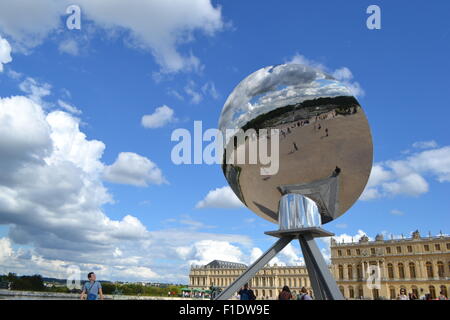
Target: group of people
{"x": 316, "y": 120}
{"x": 286, "y": 294}
{"x": 92, "y": 289}
{"x": 403, "y": 295}
{"x": 247, "y": 294}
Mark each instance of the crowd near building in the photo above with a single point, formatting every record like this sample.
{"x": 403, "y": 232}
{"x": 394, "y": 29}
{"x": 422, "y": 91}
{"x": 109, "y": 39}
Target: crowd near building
{"x": 363, "y": 269}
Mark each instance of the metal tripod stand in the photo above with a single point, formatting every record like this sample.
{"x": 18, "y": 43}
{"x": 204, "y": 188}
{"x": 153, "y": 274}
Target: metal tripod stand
{"x": 299, "y": 218}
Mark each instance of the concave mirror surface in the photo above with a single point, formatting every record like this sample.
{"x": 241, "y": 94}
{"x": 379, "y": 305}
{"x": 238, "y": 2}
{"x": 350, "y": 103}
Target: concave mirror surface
{"x": 322, "y": 126}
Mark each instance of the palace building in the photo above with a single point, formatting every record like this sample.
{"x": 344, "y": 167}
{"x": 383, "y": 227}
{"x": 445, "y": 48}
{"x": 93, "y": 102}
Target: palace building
{"x": 363, "y": 270}
{"x": 266, "y": 284}
{"x": 421, "y": 265}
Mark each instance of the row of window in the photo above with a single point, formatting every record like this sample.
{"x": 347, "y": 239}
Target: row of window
{"x": 412, "y": 270}
{"x": 263, "y": 294}
{"x": 359, "y": 293}
{"x": 238, "y": 272}
{"x": 400, "y": 268}
{"x": 398, "y": 249}
{"x": 255, "y": 282}
{"x": 269, "y": 282}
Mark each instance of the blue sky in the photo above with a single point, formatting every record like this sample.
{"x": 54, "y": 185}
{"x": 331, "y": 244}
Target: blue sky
{"x": 122, "y": 66}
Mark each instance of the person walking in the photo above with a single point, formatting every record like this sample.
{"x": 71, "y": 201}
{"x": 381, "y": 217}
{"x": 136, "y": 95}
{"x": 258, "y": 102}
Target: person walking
{"x": 304, "y": 294}
{"x": 246, "y": 293}
{"x": 92, "y": 288}
{"x": 285, "y": 294}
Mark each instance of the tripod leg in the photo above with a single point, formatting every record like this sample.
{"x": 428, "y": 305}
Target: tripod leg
{"x": 313, "y": 277}
{"x": 324, "y": 285}
{"x": 254, "y": 268}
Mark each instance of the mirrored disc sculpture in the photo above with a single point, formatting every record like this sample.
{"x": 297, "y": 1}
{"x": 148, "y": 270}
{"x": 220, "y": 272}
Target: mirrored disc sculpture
{"x": 297, "y": 152}
{"x": 325, "y": 144}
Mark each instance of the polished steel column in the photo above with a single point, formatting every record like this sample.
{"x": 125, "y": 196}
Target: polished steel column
{"x": 297, "y": 211}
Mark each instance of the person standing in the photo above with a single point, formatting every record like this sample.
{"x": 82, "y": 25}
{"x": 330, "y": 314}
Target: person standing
{"x": 92, "y": 288}
{"x": 285, "y": 294}
{"x": 402, "y": 295}
{"x": 246, "y": 293}
{"x": 304, "y": 294}
{"x": 412, "y": 296}
{"x": 423, "y": 296}
{"x": 442, "y": 296}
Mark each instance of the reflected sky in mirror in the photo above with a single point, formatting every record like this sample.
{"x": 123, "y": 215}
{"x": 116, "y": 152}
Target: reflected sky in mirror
{"x": 273, "y": 87}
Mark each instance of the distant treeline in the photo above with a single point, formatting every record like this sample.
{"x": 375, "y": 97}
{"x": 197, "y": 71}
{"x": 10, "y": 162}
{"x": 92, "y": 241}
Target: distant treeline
{"x": 342, "y": 104}
{"x": 36, "y": 283}
{"x": 139, "y": 289}
{"x": 30, "y": 283}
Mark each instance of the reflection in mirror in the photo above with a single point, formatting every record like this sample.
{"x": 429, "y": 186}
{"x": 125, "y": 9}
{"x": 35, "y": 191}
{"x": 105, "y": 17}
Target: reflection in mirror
{"x": 323, "y": 133}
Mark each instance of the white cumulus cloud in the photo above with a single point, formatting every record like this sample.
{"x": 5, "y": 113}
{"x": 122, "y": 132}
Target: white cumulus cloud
{"x": 159, "y": 118}
{"x": 410, "y": 176}
{"x": 158, "y": 26}
{"x": 134, "y": 169}
{"x": 205, "y": 251}
{"x": 289, "y": 256}
{"x": 220, "y": 198}
{"x": 52, "y": 201}
{"x": 51, "y": 194}
{"x": 5, "y": 53}
{"x": 342, "y": 74}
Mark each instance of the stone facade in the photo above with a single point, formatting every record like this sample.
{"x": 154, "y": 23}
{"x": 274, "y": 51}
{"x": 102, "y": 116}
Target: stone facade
{"x": 421, "y": 265}
{"x": 266, "y": 284}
